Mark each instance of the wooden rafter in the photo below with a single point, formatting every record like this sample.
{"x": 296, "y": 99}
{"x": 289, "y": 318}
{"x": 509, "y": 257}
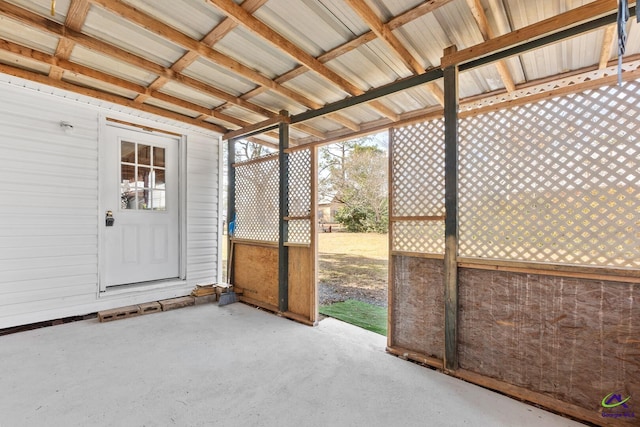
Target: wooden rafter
{"x": 369, "y": 36}
{"x": 210, "y": 39}
{"x": 607, "y": 45}
{"x": 248, "y": 21}
{"x": 71, "y": 36}
{"x": 385, "y": 34}
{"x": 115, "y": 99}
{"x": 76, "y": 15}
{"x": 71, "y": 67}
{"x": 134, "y": 15}
{"x": 523, "y": 35}
{"x": 40, "y": 23}
{"x": 487, "y": 34}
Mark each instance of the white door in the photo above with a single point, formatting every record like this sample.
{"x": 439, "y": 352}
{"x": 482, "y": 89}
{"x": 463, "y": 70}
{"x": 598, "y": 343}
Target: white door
{"x": 140, "y": 204}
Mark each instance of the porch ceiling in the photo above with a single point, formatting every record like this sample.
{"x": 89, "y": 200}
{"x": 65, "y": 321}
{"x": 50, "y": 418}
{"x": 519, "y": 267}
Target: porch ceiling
{"x": 227, "y": 65}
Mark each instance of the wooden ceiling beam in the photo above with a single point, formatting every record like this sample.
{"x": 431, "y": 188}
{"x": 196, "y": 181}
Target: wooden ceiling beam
{"x": 385, "y": 33}
{"x": 114, "y": 99}
{"x": 43, "y": 24}
{"x": 248, "y": 21}
{"x": 212, "y": 38}
{"x": 145, "y": 92}
{"x": 369, "y": 36}
{"x": 228, "y": 24}
{"x": 487, "y": 33}
{"x": 76, "y": 15}
{"x": 607, "y": 45}
{"x": 134, "y": 15}
{"x": 535, "y": 31}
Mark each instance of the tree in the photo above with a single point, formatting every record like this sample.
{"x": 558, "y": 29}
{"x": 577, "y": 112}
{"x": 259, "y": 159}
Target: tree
{"x": 358, "y": 180}
{"x": 247, "y": 150}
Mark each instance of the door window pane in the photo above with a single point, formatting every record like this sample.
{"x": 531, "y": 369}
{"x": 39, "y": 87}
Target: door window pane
{"x": 158, "y": 157}
{"x": 144, "y": 154}
{"x": 128, "y": 152}
{"x": 159, "y": 179}
{"x": 159, "y": 201}
{"x": 142, "y": 177}
{"x": 128, "y": 186}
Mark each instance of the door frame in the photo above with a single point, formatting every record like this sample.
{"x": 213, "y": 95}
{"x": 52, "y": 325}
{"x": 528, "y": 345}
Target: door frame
{"x": 103, "y": 123}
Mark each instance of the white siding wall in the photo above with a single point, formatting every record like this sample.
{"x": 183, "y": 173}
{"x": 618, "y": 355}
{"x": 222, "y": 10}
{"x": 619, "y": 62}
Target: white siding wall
{"x": 202, "y": 209}
{"x": 48, "y": 203}
{"x": 49, "y": 219}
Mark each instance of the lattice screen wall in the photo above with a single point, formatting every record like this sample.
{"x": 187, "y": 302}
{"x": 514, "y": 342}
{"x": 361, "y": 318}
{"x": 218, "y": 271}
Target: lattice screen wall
{"x": 300, "y": 196}
{"x": 417, "y": 182}
{"x": 555, "y": 181}
{"x": 257, "y": 195}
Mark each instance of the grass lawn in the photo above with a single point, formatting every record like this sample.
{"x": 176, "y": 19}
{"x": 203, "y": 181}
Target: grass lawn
{"x": 367, "y": 316}
{"x": 369, "y": 245}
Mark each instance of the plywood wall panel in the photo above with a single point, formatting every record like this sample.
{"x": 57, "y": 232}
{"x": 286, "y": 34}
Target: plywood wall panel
{"x": 301, "y": 281}
{"x": 256, "y": 272}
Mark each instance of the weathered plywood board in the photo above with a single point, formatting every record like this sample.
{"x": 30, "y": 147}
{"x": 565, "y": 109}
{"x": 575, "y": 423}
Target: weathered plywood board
{"x": 256, "y": 272}
{"x": 301, "y": 282}
{"x": 576, "y": 340}
{"x": 417, "y": 305}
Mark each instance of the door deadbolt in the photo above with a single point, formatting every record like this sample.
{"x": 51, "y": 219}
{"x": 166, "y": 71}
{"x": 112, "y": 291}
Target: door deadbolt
{"x": 109, "y": 219}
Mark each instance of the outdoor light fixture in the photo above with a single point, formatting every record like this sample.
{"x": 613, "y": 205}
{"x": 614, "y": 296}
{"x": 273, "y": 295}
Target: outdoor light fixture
{"x": 66, "y": 127}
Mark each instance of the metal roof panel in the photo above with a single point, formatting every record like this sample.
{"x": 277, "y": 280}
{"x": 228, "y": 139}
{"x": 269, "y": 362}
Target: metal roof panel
{"x": 189, "y": 94}
{"x": 113, "y": 29}
{"x": 112, "y": 66}
{"x": 195, "y": 19}
{"x": 18, "y": 33}
{"x": 254, "y": 52}
{"x": 208, "y": 72}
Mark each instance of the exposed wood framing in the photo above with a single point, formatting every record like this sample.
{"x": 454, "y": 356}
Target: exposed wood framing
{"x": 524, "y": 35}
{"x": 115, "y": 81}
{"x": 257, "y": 27}
{"x": 78, "y": 10}
{"x": 451, "y": 220}
{"x": 257, "y": 127}
{"x": 396, "y": 22}
{"x": 607, "y": 45}
{"x": 487, "y": 34}
{"x": 115, "y": 99}
{"x": 385, "y": 33}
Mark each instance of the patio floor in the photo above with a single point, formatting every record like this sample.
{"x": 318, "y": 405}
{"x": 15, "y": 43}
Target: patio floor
{"x": 233, "y": 366}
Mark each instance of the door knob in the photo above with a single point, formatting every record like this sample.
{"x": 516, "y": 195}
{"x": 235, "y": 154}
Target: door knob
{"x": 109, "y": 219}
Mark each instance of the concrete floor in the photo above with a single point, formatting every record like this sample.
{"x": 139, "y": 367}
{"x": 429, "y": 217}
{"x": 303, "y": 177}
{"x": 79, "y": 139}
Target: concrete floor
{"x": 233, "y": 366}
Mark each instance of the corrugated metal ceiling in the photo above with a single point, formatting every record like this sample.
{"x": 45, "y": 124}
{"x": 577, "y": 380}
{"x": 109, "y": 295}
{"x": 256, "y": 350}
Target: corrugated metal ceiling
{"x": 151, "y": 57}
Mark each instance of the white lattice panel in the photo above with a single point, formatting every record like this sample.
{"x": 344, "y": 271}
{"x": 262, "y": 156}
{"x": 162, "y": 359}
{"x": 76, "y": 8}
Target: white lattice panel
{"x": 257, "y": 195}
{"x": 418, "y": 236}
{"x": 418, "y": 169}
{"x": 554, "y": 181}
{"x": 549, "y": 86}
{"x": 417, "y": 182}
{"x": 300, "y": 196}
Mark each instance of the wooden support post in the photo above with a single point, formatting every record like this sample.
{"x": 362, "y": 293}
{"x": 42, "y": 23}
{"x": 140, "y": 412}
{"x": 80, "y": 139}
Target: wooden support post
{"x": 231, "y": 200}
{"x": 451, "y": 209}
{"x": 283, "y": 250}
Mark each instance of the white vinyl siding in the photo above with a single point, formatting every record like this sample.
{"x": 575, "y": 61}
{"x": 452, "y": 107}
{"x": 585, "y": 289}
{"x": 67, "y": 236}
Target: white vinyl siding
{"x": 202, "y": 209}
{"x": 48, "y": 203}
{"x": 50, "y": 221}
